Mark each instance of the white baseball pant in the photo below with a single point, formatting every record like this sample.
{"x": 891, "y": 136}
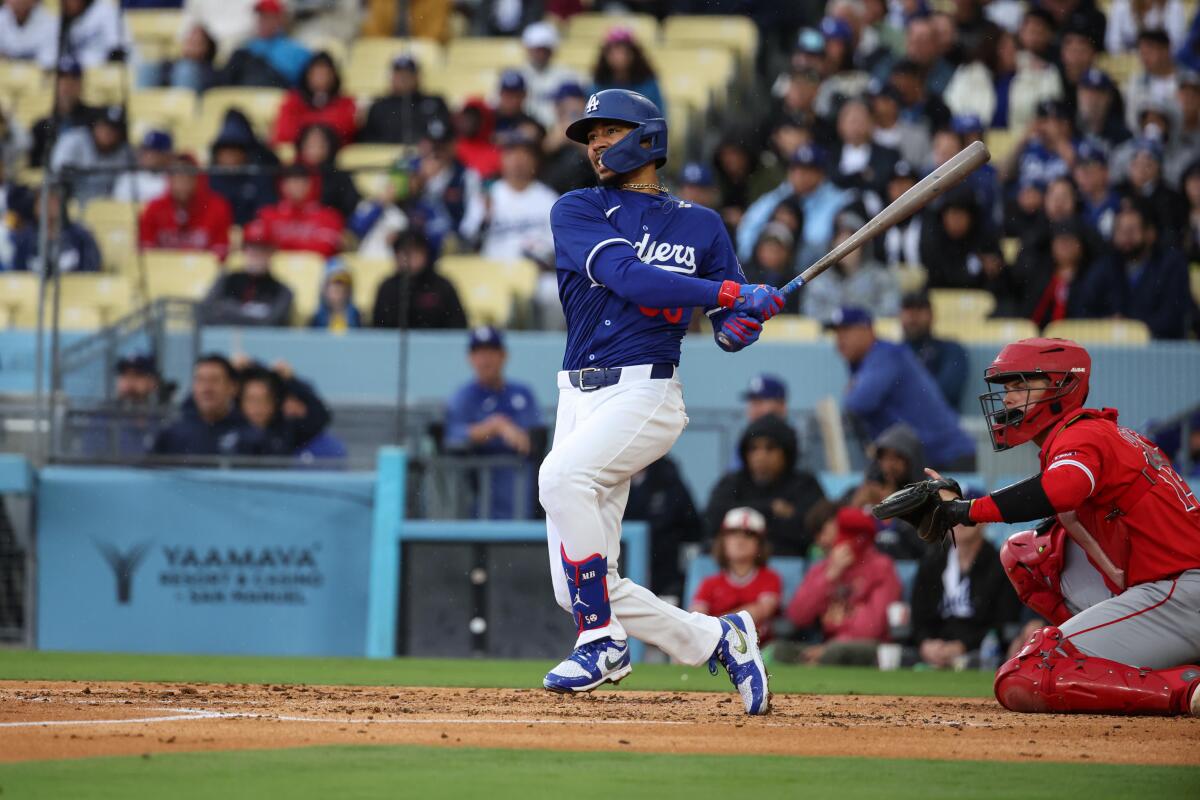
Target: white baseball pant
{"x": 601, "y": 439}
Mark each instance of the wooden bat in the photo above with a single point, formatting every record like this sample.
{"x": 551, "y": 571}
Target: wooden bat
{"x": 936, "y": 183}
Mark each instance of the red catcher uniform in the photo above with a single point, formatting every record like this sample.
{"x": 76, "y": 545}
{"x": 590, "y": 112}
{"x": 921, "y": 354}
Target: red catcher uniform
{"x": 203, "y": 224}
{"x": 304, "y": 226}
{"x": 724, "y": 594}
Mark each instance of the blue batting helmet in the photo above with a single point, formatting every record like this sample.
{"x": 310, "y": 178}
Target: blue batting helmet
{"x": 625, "y": 106}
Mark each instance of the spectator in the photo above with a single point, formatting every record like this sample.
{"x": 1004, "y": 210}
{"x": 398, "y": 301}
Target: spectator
{"x": 847, "y": 595}
{"x": 856, "y": 280}
{"x": 1185, "y": 140}
{"x": 1156, "y": 79}
{"x": 907, "y": 80}
{"x": 842, "y": 77}
{"x": 738, "y": 174}
{"x": 1065, "y": 285}
{"x": 821, "y": 524}
{"x": 1097, "y": 200}
{"x": 1191, "y": 192}
{"x": 28, "y": 32}
{"x": 889, "y": 385}
{"x": 1077, "y": 57}
{"x": 859, "y": 162}
{"x": 16, "y": 208}
{"x": 623, "y": 65}
{"x": 944, "y": 359}
{"x": 897, "y": 459}
{"x": 251, "y": 296}
{"x": 957, "y": 249}
{"x": 980, "y": 85}
{"x": 1146, "y": 277}
{"x": 475, "y": 144}
{"x": 696, "y": 185}
{"x": 14, "y": 143}
{"x": 984, "y": 181}
{"x": 76, "y": 248}
{"x": 1099, "y": 112}
{"x": 432, "y": 301}
{"x": 820, "y": 199}
{"x": 902, "y": 243}
{"x": 209, "y": 422}
{"x": 1024, "y": 211}
{"x": 101, "y": 145}
{"x": 542, "y": 78}
{"x": 377, "y": 219}
{"x": 127, "y": 431}
{"x": 1081, "y": 14}
{"x": 237, "y": 146}
{"x": 921, "y": 48}
{"x": 188, "y": 216}
{"x": 317, "y": 100}
{"x": 449, "y": 200}
{"x": 769, "y": 482}
{"x": 766, "y": 394}
{"x": 297, "y": 221}
{"x": 495, "y": 417}
{"x": 564, "y": 163}
{"x": 230, "y": 24}
{"x": 960, "y": 593}
{"x": 138, "y": 381}
{"x": 745, "y": 582}
{"x": 316, "y": 149}
{"x": 908, "y": 137}
{"x": 150, "y": 180}
{"x": 261, "y": 401}
{"x": 270, "y": 58}
{"x": 95, "y": 32}
{"x": 519, "y": 205}
{"x": 659, "y": 497}
{"x": 1036, "y": 80}
{"x": 798, "y": 106}
{"x": 1145, "y": 183}
{"x": 194, "y": 69}
{"x": 1047, "y": 150}
{"x": 337, "y": 312}
{"x": 403, "y": 115}
{"x": 302, "y": 408}
{"x": 771, "y": 263}
{"x": 510, "y": 107}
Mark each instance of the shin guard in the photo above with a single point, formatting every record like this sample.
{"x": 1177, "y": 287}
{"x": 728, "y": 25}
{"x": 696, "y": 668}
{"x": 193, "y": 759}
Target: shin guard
{"x": 587, "y": 581}
{"x": 1051, "y": 675}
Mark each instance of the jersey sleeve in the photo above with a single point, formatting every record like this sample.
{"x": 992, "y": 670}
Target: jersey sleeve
{"x": 1074, "y": 469}
{"x": 581, "y": 232}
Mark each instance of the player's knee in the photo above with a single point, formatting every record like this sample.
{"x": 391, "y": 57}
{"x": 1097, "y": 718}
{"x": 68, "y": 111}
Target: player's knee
{"x": 560, "y": 488}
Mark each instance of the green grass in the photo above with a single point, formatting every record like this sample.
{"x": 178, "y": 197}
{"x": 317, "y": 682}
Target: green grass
{"x": 31, "y": 665}
{"x": 422, "y": 772}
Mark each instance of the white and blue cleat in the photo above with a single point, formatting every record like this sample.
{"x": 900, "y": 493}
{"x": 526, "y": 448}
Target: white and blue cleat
{"x": 591, "y": 664}
{"x": 738, "y": 652}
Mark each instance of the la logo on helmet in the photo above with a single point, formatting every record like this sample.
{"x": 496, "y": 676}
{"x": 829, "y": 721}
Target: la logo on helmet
{"x": 593, "y": 103}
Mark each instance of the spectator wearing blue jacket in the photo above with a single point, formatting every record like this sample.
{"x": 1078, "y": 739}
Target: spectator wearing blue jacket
{"x": 211, "y": 424}
{"x": 270, "y": 57}
{"x": 888, "y": 384}
{"x": 945, "y": 360}
{"x": 75, "y": 248}
{"x": 492, "y": 416}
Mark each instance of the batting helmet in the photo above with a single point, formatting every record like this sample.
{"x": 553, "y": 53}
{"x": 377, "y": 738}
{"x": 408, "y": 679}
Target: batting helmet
{"x": 645, "y": 143}
{"x": 1064, "y": 363}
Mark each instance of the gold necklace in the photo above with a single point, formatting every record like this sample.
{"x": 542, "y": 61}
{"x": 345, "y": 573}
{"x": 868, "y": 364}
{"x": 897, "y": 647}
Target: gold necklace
{"x": 658, "y": 187}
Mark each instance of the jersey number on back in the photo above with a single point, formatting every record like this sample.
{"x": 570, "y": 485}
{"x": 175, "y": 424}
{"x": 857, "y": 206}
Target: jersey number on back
{"x": 1162, "y": 466}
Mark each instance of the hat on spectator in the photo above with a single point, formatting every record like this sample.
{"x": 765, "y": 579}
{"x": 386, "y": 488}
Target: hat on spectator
{"x": 257, "y": 234}
{"x": 777, "y": 232}
{"x": 745, "y": 519}
{"x": 1154, "y": 36}
{"x": 1090, "y": 151}
{"x": 1153, "y": 147}
{"x": 619, "y": 33}
{"x": 836, "y": 28}
{"x": 917, "y": 299}
{"x": 811, "y": 41}
{"x": 696, "y": 174}
{"x": 856, "y": 528}
{"x": 1031, "y": 182}
{"x": 569, "y": 89}
{"x": 68, "y": 65}
{"x": 404, "y": 61}
{"x": 963, "y": 124}
{"x": 269, "y": 7}
{"x": 511, "y": 81}
{"x": 1095, "y": 78}
{"x": 142, "y": 363}
{"x": 765, "y": 386}
{"x": 540, "y": 34}
{"x": 849, "y": 317}
{"x": 808, "y": 155}
{"x": 158, "y": 141}
{"x": 485, "y": 336}
{"x": 1055, "y": 109}
{"x": 111, "y": 115}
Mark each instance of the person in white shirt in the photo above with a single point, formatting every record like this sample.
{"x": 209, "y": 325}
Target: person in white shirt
{"x": 1126, "y": 19}
{"x": 147, "y": 183}
{"x": 1156, "y": 80}
{"x": 96, "y": 31}
{"x": 28, "y": 32}
{"x": 518, "y": 204}
{"x": 543, "y": 79}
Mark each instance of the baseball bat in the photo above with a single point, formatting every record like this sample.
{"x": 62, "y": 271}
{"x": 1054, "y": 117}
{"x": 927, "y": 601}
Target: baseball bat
{"x": 936, "y": 183}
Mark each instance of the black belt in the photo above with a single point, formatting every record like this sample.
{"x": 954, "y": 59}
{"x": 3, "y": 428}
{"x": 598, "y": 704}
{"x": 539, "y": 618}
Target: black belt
{"x": 589, "y": 379}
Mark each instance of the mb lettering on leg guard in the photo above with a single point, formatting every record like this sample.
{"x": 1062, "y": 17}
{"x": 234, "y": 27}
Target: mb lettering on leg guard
{"x": 588, "y": 582}
{"x": 1051, "y": 675}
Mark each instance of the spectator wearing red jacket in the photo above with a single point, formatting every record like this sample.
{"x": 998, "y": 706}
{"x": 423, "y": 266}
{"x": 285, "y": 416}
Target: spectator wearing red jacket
{"x": 847, "y": 594}
{"x": 297, "y": 222}
{"x": 318, "y": 100}
{"x": 745, "y": 582}
{"x": 189, "y": 216}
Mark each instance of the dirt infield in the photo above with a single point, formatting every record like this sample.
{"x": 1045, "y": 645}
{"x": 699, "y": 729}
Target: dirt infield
{"x": 49, "y": 720}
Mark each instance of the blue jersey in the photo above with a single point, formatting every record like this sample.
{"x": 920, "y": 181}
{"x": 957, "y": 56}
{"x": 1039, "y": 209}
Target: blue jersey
{"x": 604, "y": 240}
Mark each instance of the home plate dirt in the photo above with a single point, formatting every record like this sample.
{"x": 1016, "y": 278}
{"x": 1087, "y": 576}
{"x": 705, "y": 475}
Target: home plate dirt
{"x": 48, "y": 720}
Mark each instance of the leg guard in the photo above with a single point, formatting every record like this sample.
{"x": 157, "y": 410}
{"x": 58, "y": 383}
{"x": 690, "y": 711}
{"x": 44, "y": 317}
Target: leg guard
{"x": 587, "y": 581}
{"x": 1051, "y": 675}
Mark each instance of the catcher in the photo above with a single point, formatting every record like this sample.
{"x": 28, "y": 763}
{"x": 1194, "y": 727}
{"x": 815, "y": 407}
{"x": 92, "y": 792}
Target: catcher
{"x": 1116, "y": 567}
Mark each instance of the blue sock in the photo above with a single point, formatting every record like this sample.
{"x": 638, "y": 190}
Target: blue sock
{"x": 588, "y": 583}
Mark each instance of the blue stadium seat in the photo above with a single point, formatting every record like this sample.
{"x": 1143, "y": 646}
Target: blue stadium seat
{"x": 907, "y": 570}
{"x": 791, "y": 569}
{"x": 701, "y": 567}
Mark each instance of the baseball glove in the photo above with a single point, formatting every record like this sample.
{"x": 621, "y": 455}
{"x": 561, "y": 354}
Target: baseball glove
{"x": 920, "y": 505}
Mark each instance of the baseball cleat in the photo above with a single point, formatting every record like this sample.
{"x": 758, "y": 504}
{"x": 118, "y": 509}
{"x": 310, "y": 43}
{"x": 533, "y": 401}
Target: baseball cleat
{"x": 1195, "y": 704}
{"x": 589, "y": 666}
{"x": 738, "y": 652}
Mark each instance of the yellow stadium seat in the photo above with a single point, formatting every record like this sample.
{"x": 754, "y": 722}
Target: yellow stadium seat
{"x": 961, "y": 304}
{"x": 1000, "y": 143}
{"x": 180, "y": 273}
{"x": 1100, "y": 331}
{"x": 32, "y": 106}
{"x": 888, "y": 328}
{"x": 107, "y": 84}
{"x": 114, "y": 224}
{"x": 486, "y": 294}
{"x": 369, "y": 68}
{"x": 110, "y": 295}
{"x": 18, "y": 79}
{"x": 520, "y": 274}
{"x": 169, "y": 109}
{"x": 302, "y": 273}
{"x": 985, "y": 331}
{"x": 260, "y": 106}
{"x": 6, "y": 318}
{"x": 71, "y": 318}
{"x": 734, "y": 33}
{"x": 155, "y": 31}
{"x": 686, "y": 89}
{"x": 19, "y": 292}
{"x": 578, "y": 55}
{"x": 459, "y": 84}
{"x": 1119, "y": 66}
{"x": 484, "y": 52}
{"x": 333, "y": 46}
{"x": 372, "y": 163}
{"x": 1010, "y": 248}
{"x": 791, "y": 328}
{"x": 594, "y": 27}
{"x": 715, "y": 66}
{"x": 911, "y": 277}
{"x": 368, "y": 274}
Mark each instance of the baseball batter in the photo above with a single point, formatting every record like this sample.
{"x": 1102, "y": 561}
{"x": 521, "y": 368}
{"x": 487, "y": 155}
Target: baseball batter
{"x": 632, "y": 262}
{"x": 1116, "y": 569}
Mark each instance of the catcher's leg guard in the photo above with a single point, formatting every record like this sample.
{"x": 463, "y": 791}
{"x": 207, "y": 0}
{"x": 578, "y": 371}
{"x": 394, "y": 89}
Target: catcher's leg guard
{"x": 1051, "y": 675}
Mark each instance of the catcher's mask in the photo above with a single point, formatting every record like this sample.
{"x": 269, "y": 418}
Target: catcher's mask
{"x": 1067, "y": 367}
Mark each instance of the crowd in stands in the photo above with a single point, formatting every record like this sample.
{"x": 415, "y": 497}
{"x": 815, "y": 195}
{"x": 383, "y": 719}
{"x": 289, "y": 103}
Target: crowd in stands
{"x": 1092, "y": 209}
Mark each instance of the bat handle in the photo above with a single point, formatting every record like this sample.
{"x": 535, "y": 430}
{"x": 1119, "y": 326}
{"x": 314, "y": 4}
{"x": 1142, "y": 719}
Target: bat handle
{"x": 792, "y": 285}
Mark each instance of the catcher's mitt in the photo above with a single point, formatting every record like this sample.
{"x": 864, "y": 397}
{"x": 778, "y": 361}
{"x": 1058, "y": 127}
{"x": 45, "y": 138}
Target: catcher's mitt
{"x": 920, "y": 505}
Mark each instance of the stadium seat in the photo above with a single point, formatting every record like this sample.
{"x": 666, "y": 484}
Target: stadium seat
{"x": 260, "y": 105}
{"x": 333, "y": 46}
{"x": 368, "y": 274}
{"x": 1010, "y": 248}
{"x": 302, "y": 273}
{"x": 486, "y": 294}
{"x": 156, "y": 32}
{"x": 484, "y": 52}
{"x": 364, "y": 157}
{"x": 906, "y": 570}
{"x": 791, "y": 571}
{"x": 998, "y": 330}
{"x": 180, "y": 273}
{"x": 578, "y": 55}
{"x": 32, "y": 106}
{"x": 699, "y": 568}
{"x": 169, "y": 109}
{"x": 734, "y": 33}
{"x": 911, "y": 277}
{"x": 115, "y": 226}
{"x": 6, "y": 318}
{"x": 591, "y": 28}
{"x": 791, "y": 328}
{"x": 1000, "y": 143}
{"x": 18, "y": 293}
{"x": 715, "y": 66}
{"x": 520, "y": 274}
{"x": 961, "y": 304}
{"x": 1101, "y": 331}
{"x": 106, "y": 84}
{"x": 888, "y": 328}
{"x": 110, "y": 295}
{"x": 18, "y": 79}
{"x": 1119, "y": 66}
{"x": 369, "y": 69}
{"x": 458, "y": 84}
{"x": 70, "y": 318}
{"x": 686, "y": 89}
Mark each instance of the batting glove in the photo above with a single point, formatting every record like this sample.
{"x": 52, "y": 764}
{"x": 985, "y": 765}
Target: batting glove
{"x": 756, "y": 299}
{"x": 737, "y": 332}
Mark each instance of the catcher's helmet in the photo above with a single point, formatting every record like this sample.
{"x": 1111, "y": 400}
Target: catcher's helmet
{"x": 1067, "y": 366}
{"x": 625, "y": 106}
